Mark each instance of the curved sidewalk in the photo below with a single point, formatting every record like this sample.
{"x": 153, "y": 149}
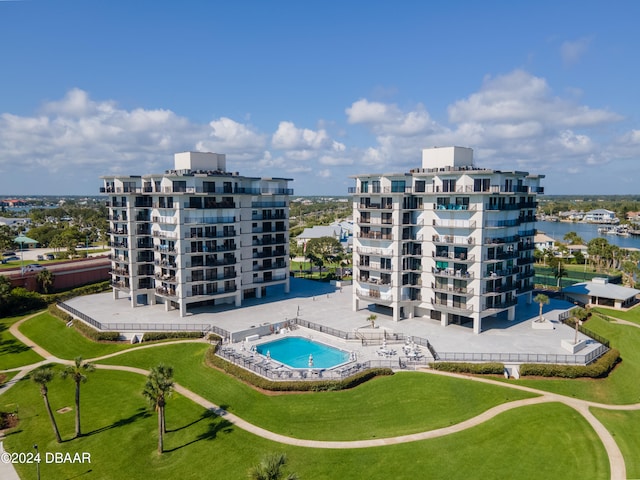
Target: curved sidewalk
{"x": 616, "y": 459}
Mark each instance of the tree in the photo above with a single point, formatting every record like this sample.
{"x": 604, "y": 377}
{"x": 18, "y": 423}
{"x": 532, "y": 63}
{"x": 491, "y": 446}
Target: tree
{"x": 42, "y": 376}
{"x": 572, "y": 238}
{"x": 559, "y": 271}
{"x": 541, "y": 299}
{"x": 372, "y": 318}
{"x": 630, "y": 269}
{"x": 579, "y": 315}
{"x": 597, "y": 250}
{"x": 157, "y": 389}
{"x": 77, "y": 373}
{"x": 45, "y": 279}
{"x": 270, "y": 468}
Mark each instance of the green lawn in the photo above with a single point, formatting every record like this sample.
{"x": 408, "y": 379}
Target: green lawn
{"x": 632, "y": 315}
{"x": 404, "y": 403}
{"x": 61, "y": 341}
{"x": 624, "y": 428}
{"x": 620, "y": 387}
{"x": 121, "y": 439}
{"x": 14, "y": 353}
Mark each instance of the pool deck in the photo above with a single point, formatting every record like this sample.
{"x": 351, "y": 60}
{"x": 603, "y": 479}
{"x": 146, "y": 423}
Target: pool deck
{"x": 332, "y": 307}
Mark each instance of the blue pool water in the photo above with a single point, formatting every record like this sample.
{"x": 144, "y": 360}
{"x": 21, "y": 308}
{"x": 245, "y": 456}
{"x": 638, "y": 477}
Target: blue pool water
{"x": 295, "y": 351}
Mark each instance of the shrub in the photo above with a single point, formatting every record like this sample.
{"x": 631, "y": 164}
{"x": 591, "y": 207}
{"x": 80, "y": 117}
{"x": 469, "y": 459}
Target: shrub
{"x": 598, "y": 369}
{"x": 476, "y": 368}
{"x": 83, "y": 328}
{"x": 155, "y": 336}
{"x": 88, "y": 289}
{"x": 291, "y": 386}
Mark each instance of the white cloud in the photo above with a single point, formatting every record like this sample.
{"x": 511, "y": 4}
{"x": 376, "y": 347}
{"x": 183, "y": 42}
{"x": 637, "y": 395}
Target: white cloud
{"x": 289, "y": 137}
{"x": 572, "y": 51}
{"x": 390, "y": 119}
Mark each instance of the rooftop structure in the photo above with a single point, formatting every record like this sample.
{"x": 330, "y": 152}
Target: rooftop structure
{"x": 197, "y": 234}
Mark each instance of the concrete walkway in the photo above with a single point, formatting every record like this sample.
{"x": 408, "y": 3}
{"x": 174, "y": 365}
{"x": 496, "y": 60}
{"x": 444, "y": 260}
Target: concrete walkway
{"x": 616, "y": 459}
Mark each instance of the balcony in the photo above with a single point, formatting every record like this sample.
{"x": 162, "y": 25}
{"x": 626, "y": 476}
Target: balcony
{"x": 452, "y": 306}
{"x": 121, "y": 285}
{"x": 451, "y": 207}
{"x": 377, "y": 252}
{"x": 273, "y": 266}
{"x": 501, "y": 256}
{"x": 375, "y": 281}
{"x": 495, "y": 307}
{"x": 454, "y": 223}
{"x": 459, "y": 258}
{"x": 504, "y": 206}
{"x": 165, "y": 220}
{"x": 166, "y": 292}
{"x": 273, "y": 278}
{"x": 208, "y": 220}
{"x": 451, "y": 273}
{"x": 501, "y": 273}
{"x": 524, "y": 289}
{"x": 501, "y": 240}
{"x": 376, "y": 296}
{"x": 452, "y": 240}
{"x": 502, "y": 223}
{"x": 375, "y": 236}
{"x": 375, "y": 206}
{"x": 526, "y": 261}
{"x": 461, "y": 291}
{"x": 269, "y": 216}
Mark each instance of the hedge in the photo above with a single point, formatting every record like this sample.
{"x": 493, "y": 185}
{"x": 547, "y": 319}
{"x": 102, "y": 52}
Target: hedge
{"x": 154, "y": 336}
{"x": 257, "y": 381}
{"x": 88, "y": 289}
{"x": 476, "y": 368}
{"x": 83, "y": 328}
{"x": 598, "y": 369}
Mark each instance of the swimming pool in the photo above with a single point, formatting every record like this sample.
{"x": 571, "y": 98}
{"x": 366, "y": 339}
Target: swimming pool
{"x": 295, "y": 351}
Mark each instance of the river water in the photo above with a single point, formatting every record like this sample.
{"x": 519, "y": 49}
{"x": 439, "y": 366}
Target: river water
{"x": 587, "y": 231}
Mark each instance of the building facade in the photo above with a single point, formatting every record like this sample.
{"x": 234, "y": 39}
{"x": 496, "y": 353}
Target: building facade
{"x": 197, "y": 235}
{"x": 449, "y": 241}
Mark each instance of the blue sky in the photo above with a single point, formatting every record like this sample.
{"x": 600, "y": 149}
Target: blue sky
{"x": 318, "y": 91}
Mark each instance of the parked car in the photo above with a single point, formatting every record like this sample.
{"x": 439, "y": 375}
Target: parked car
{"x": 9, "y": 259}
{"x": 50, "y": 256}
{"x": 33, "y": 267}
{"x": 9, "y": 254}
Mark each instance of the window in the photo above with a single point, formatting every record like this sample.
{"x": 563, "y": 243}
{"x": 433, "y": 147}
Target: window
{"x": 375, "y": 186}
{"x": 364, "y": 187}
{"x": 448, "y": 185}
{"x": 420, "y": 186}
{"x": 179, "y": 186}
{"x": 481, "y": 184}
{"x": 397, "y": 186}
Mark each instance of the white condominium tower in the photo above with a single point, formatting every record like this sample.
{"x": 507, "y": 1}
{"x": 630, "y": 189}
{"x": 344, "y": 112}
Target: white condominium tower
{"x": 449, "y": 241}
{"x": 197, "y": 235}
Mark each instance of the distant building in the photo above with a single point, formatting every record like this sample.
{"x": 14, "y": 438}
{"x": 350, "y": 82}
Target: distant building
{"x": 601, "y": 215}
{"x": 197, "y": 234}
{"x": 14, "y": 221}
{"x": 544, "y": 242}
{"x": 600, "y": 292}
{"x": 450, "y": 241}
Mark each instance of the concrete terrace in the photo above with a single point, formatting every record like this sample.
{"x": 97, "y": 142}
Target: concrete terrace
{"x": 330, "y": 306}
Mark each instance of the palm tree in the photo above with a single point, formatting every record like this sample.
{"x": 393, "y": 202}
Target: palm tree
{"x": 157, "y": 389}
{"x": 42, "y": 376}
{"x": 45, "y": 278}
{"x": 270, "y": 468}
{"x": 579, "y": 315}
{"x": 77, "y": 374}
{"x": 372, "y": 318}
{"x": 541, "y": 299}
